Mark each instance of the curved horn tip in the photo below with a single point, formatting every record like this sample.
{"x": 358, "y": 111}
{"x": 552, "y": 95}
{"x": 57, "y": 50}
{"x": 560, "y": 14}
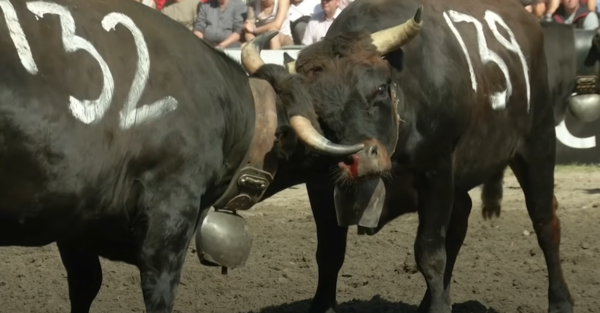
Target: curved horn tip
{"x": 316, "y": 142}
{"x": 417, "y": 17}
{"x": 270, "y": 34}
{"x": 262, "y": 39}
{"x": 287, "y": 58}
{"x": 291, "y": 67}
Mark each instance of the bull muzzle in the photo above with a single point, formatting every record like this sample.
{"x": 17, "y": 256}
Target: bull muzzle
{"x": 223, "y": 239}
{"x": 361, "y": 204}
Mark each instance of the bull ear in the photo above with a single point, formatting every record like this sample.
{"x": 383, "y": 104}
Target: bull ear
{"x": 395, "y": 59}
{"x": 285, "y": 142}
{"x": 285, "y": 137}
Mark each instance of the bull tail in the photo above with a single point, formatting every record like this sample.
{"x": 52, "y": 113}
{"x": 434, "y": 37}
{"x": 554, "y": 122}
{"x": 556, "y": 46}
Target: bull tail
{"x": 491, "y": 196}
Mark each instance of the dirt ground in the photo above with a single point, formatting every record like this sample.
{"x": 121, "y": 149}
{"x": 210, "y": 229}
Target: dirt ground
{"x": 500, "y": 268}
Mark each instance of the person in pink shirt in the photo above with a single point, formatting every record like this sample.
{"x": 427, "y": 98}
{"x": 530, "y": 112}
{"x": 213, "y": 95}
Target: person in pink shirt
{"x": 319, "y": 24}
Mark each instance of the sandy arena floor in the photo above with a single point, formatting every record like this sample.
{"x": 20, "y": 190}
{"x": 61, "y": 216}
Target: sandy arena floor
{"x": 500, "y": 268}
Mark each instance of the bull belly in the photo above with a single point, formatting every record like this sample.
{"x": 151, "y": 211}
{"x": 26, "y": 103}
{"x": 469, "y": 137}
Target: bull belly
{"x": 476, "y": 159}
{"x": 108, "y": 236}
{"x": 14, "y": 233}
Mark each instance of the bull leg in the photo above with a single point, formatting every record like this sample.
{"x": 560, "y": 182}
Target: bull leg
{"x": 84, "y": 276}
{"x": 535, "y": 174}
{"x": 491, "y": 196}
{"x": 171, "y": 223}
{"x": 457, "y": 231}
{"x": 435, "y": 207}
{"x": 331, "y": 248}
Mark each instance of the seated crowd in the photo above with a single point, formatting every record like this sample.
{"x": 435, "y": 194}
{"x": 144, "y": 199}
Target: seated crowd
{"x": 231, "y": 23}
{"x": 579, "y": 13}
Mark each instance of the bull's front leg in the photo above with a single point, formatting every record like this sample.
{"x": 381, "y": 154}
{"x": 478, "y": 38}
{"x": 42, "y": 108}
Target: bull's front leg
{"x": 331, "y": 248}
{"x": 170, "y": 219}
{"x": 84, "y": 276}
{"x": 457, "y": 231}
{"x": 435, "y": 206}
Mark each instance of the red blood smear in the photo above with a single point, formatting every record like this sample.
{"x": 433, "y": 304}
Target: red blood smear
{"x": 354, "y": 166}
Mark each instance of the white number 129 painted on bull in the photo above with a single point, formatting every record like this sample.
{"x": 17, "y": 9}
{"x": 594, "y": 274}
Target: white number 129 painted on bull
{"x": 497, "y": 99}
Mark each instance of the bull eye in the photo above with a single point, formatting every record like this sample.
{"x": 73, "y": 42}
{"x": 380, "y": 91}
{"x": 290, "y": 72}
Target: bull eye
{"x": 382, "y": 91}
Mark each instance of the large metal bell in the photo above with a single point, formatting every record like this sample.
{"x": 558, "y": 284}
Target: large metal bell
{"x": 223, "y": 238}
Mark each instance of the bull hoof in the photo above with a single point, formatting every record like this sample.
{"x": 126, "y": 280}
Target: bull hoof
{"x": 330, "y": 310}
{"x": 490, "y": 211}
{"x": 316, "y": 308}
{"x": 425, "y": 307}
{"x": 438, "y": 310}
{"x": 422, "y": 309}
{"x": 562, "y": 307}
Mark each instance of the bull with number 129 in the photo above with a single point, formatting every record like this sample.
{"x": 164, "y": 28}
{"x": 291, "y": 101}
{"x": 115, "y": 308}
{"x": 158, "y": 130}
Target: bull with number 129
{"x": 474, "y": 100}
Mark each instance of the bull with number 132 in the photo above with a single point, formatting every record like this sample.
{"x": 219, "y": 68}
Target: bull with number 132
{"x": 116, "y": 139}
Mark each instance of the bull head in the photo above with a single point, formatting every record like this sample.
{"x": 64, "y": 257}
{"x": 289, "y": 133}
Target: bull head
{"x": 306, "y": 132}
{"x": 390, "y": 39}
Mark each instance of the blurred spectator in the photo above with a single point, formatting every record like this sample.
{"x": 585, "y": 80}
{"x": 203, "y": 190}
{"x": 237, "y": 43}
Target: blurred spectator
{"x": 266, "y": 15}
{"x": 575, "y": 13}
{"x": 299, "y": 14}
{"x": 182, "y": 11}
{"x": 221, "y": 22}
{"x": 319, "y": 24}
{"x": 158, "y": 4}
{"x": 552, "y": 6}
{"x": 538, "y": 8}
{"x": 344, "y": 4}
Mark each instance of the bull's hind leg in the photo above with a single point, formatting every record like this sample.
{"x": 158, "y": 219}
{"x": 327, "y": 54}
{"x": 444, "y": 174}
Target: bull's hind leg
{"x": 491, "y": 195}
{"x": 331, "y": 248}
{"x": 84, "y": 276}
{"x": 457, "y": 231}
{"x": 170, "y": 219}
{"x": 534, "y": 169}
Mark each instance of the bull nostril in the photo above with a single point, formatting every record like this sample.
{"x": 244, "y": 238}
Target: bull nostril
{"x": 373, "y": 151}
{"x": 349, "y": 160}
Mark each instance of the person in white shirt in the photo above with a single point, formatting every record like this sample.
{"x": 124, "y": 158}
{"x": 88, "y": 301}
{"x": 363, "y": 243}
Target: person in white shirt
{"x": 319, "y": 24}
{"x": 299, "y": 14}
{"x": 267, "y": 15}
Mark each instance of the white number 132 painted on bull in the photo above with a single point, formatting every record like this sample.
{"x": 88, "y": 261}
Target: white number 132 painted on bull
{"x": 90, "y": 111}
{"x": 498, "y": 99}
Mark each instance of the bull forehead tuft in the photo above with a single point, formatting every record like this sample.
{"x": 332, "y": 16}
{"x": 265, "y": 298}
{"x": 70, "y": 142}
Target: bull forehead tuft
{"x": 339, "y": 53}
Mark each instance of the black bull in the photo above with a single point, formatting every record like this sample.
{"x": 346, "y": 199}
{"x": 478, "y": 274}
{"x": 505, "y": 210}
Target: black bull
{"x": 147, "y": 148}
{"x": 119, "y": 129}
{"x": 462, "y": 125}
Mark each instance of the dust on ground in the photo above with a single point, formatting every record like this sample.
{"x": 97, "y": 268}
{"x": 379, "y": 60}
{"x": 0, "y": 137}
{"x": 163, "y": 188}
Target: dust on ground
{"x": 500, "y": 267}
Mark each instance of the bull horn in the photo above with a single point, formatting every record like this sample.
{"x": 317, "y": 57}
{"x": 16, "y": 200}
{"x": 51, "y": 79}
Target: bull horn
{"x": 393, "y": 38}
{"x": 312, "y": 139}
{"x": 251, "y": 60}
{"x": 290, "y": 63}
